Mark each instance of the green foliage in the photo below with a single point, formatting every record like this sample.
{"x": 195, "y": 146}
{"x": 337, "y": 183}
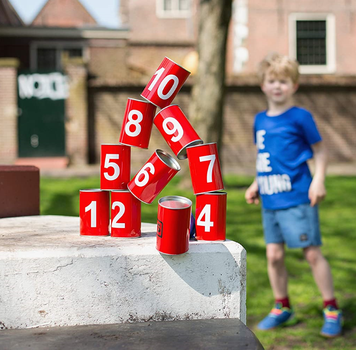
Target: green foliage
{"x": 338, "y": 225}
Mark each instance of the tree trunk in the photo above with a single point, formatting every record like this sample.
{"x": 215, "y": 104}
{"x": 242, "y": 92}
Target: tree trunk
{"x": 206, "y": 110}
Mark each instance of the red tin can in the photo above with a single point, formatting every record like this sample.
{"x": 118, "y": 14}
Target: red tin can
{"x": 94, "y": 212}
{"x": 137, "y": 124}
{"x": 204, "y": 168}
{"x": 165, "y": 83}
{"x": 153, "y": 176}
{"x": 114, "y": 166}
{"x": 176, "y": 130}
{"x": 173, "y": 225}
{"x": 125, "y": 214}
{"x": 210, "y": 214}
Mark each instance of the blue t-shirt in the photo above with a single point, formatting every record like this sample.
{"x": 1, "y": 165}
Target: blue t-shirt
{"x": 284, "y": 145}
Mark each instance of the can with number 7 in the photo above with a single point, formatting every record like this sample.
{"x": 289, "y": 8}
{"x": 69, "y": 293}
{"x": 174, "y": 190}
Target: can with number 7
{"x": 114, "y": 166}
{"x": 176, "y": 130}
{"x": 205, "y": 168}
{"x": 210, "y": 216}
{"x": 153, "y": 176}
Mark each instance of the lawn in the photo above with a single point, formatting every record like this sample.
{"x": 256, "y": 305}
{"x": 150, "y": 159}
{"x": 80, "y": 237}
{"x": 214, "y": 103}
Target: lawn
{"x": 338, "y": 225}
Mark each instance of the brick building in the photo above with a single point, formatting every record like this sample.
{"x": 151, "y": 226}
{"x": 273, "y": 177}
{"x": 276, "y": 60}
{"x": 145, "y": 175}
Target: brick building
{"x": 116, "y": 64}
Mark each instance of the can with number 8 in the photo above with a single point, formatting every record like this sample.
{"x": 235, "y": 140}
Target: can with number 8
{"x": 204, "y": 168}
{"x": 165, "y": 83}
{"x": 176, "y": 130}
{"x": 114, "y": 166}
{"x": 210, "y": 216}
{"x": 125, "y": 214}
{"x": 137, "y": 124}
{"x": 153, "y": 176}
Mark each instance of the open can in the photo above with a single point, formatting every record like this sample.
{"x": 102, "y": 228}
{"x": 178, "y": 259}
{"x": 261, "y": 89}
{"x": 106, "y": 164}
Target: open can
{"x": 173, "y": 225}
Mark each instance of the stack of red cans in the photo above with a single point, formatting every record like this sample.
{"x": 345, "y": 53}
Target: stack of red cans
{"x": 122, "y": 196}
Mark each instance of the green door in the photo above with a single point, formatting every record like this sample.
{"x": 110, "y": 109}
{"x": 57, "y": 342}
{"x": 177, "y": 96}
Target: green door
{"x": 41, "y": 102}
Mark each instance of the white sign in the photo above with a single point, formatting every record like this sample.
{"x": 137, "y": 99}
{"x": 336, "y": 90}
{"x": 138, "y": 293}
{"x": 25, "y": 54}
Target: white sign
{"x": 52, "y": 85}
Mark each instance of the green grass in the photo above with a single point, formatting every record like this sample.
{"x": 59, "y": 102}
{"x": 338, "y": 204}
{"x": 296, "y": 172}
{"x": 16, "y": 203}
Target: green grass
{"x": 338, "y": 225}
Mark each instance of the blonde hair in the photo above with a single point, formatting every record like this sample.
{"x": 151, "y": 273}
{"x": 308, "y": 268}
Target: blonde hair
{"x": 278, "y": 65}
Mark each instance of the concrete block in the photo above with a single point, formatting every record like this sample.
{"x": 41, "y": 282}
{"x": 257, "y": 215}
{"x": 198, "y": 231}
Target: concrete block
{"x": 19, "y": 191}
{"x": 52, "y": 276}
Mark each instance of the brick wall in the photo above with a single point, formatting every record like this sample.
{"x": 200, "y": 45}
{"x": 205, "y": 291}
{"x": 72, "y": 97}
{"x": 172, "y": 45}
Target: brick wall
{"x": 8, "y": 110}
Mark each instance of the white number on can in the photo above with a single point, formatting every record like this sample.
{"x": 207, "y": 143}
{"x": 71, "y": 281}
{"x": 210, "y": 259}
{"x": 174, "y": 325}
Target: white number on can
{"x": 164, "y": 83}
{"x": 176, "y": 128}
{"x": 205, "y": 223}
{"x": 210, "y": 158}
{"x": 92, "y": 208}
{"x": 115, "y": 223}
{"x": 145, "y": 174}
{"x": 113, "y": 165}
{"x": 134, "y": 122}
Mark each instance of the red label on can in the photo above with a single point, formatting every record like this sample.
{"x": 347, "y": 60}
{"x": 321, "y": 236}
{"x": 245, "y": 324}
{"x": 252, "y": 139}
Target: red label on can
{"x": 114, "y": 166}
{"x": 137, "y": 124}
{"x": 165, "y": 83}
{"x": 94, "y": 212}
{"x": 176, "y": 130}
{"x": 125, "y": 214}
{"x": 205, "y": 168}
{"x": 210, "y": 216}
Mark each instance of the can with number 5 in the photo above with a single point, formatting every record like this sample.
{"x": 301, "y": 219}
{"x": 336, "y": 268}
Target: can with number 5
{"x": 153, "y": 176}
{"x": 137, "y": 124}
{"x": 114, "y": 166}
{"x": 165, "y": 83}
{"x": 204, "y": 168}
{"x": 176, "y": 130}
{"x": 210, "y": 216}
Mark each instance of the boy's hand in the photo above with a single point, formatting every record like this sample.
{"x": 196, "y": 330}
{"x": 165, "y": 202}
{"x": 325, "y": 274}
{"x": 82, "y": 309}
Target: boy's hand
{"x": 251, "y": 194}
{"x": 317, "y": 192}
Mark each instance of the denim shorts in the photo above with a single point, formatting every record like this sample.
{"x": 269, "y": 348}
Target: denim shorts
{"x": 298, "y": 226}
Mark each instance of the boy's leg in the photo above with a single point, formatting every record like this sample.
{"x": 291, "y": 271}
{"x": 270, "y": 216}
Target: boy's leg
{"x": 277, "y": 271}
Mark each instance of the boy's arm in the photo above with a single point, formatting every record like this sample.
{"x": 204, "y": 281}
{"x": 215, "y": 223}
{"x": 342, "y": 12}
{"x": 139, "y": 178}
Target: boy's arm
{"x": 317, "y": 191}
{"x": 251, "y": 194}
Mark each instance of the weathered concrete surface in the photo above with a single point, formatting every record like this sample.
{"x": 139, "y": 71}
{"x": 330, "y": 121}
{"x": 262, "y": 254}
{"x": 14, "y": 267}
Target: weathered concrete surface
{"x": 52, "y": 276}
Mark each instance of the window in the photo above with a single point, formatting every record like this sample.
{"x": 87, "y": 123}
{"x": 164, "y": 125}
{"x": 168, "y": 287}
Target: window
{"x": 173, "y": 8}
{"x": 312, "y": 42}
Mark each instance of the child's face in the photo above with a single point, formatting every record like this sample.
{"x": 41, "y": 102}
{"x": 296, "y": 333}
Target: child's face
{"x": 278, "y": 89}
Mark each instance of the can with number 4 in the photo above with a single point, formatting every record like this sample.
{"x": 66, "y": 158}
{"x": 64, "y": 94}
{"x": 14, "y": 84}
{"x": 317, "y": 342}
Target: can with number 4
{"x": 204, "y": 168}
{"x": 137, "y": 124}
{"x": 210, "y": 216}
{"x": 165, "y": 83}
{"x": 114, "y": 166}
{"x": 153, "y": 176}
{"x": 176, "y": 130}
{"x": 125, "y": 214}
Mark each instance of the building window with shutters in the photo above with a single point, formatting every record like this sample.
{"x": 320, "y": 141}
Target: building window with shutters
{"x": 312, "y": 42}
{"x": 173, "y": 8}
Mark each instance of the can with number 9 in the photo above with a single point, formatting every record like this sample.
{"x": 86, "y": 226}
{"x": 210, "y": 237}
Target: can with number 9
{"x": 165, "y": 83}
{"x": 114, "y": 166}
{"x": 137, "y": 124}
{"x": 153, "y": 176}
{"x": 176, "y": 130}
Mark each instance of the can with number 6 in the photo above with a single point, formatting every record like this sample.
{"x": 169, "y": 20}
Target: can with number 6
{"x": 165, "y": 83}
{"x": 114, "y": 166}
{"x": 137, "y": 124}
{"x": 204, "y": 168}
{"x": 176, "y": 130}
{"x": 94, "y": 212}
{"x": 153, "y": 176}
{"x": 210, "y": 216}
{"x": 125, "y": 214}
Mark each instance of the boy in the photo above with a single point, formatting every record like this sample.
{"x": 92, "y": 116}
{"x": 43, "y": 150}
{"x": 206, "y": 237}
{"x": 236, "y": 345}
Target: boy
{"x": 286, "y": 137}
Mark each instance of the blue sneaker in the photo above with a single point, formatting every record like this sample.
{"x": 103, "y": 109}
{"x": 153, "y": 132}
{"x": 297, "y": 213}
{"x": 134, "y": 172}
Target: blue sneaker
{"x": 332, "y": 322}
{"x": 279, "y": 316}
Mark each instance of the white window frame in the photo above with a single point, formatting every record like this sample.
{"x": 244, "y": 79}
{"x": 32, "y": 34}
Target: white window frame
{"x": 175, "y": 12}
{"x": 330, "y": 66}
